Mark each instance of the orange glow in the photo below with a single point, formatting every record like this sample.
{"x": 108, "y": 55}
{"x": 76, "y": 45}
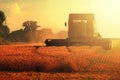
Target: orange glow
{"x": 53, "y": 14}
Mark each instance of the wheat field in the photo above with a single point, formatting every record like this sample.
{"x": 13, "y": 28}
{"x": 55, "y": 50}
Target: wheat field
{"x": 75, "y": 62}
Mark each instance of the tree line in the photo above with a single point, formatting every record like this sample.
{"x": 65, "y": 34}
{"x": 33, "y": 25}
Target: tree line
{"x": 28, "y": 33}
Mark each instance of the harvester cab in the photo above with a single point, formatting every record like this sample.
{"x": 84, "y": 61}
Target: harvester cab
{"x": 81, "y": 25}
{"x": 81, "y": 31}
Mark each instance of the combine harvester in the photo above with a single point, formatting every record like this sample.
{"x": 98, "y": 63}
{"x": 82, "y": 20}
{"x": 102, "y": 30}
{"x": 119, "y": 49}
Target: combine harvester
{"x": 81, "y": 32}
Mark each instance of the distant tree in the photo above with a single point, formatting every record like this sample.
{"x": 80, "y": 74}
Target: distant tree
{"x": 4, "y": 30}
{"x": 30, "y": 30}
{"x": 2, "y": 17}
{"x": 28, "y": 34}
{"x": 17, "y": 36}
{"x": 30, "y": 26}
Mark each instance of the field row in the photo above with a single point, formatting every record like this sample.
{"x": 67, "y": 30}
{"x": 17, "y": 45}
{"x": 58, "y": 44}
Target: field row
{"x": 58, "y": 59}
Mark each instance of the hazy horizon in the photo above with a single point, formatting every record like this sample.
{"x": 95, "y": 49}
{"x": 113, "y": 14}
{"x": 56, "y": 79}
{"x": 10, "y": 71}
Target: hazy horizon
{"x": 53, "y": 14}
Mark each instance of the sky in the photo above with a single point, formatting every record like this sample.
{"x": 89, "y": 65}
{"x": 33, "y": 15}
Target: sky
{"x": 53, "y": 13}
